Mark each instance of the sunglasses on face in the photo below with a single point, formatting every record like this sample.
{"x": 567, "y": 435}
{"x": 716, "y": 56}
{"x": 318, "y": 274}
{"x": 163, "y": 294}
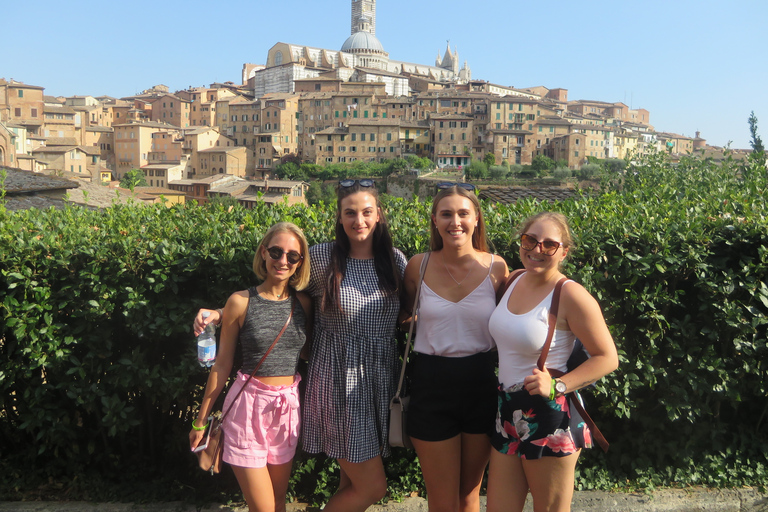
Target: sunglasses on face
{"x": 548, "y": 247}
{"x": 276, "y": 253}
{"x": 351, "y": 183}
{"x": 447, "y": 184}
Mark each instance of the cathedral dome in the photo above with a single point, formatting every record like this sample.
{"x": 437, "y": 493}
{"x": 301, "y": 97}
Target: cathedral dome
{"x": 360, "y": 42}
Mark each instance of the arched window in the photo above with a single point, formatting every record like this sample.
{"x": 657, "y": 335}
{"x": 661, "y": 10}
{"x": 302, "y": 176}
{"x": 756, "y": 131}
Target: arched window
{"x": 278, "y": 58}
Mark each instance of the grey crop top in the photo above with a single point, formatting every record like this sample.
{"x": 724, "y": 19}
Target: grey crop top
{"x": 263, "y": 320}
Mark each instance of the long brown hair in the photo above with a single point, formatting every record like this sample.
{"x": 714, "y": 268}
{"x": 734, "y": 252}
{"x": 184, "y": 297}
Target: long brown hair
{"x": 383, "y": 253}
{"x": 479, "y": 236}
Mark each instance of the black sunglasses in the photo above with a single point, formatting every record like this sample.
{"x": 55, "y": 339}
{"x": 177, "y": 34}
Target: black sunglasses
{"x": 548, "y": 247}
{"x": 351, "y": 183}
{"x": 447, "y": 184}
{"x": 276, "y": 253}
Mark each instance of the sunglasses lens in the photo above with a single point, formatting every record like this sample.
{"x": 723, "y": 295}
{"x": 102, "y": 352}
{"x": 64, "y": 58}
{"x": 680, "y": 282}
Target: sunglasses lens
{"x": 276, "y": 253}
{"x": 467, "y": 186}
{"x": 346, "y": 183}
{"x": 527, "y": 242}
{"x": 550, "y": 247}
{"x": 366, "y": 183}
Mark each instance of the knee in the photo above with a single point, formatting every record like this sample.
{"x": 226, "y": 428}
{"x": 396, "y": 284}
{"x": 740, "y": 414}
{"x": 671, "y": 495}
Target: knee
{"x": 377, "y": 491}
{"x": 469, "y": 501}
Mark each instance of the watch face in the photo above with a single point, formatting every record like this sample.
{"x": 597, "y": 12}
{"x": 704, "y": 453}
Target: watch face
{"x": 560, "y": 387}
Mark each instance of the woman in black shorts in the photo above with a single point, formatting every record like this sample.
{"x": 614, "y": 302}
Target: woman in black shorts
{"x": 453, "y": 384}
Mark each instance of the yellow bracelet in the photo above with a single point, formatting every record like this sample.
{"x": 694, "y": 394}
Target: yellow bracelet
{"x": 195, "y": 427}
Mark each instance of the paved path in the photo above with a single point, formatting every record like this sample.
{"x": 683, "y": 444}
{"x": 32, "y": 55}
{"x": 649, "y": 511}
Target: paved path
{"x": 667, "y": 500}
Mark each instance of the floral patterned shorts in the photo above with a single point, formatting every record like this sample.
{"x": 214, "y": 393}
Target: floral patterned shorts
{"x": 532, "y": 427}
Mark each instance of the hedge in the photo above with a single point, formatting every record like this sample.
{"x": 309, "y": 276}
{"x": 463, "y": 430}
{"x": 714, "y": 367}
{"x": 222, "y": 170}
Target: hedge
{"x": 99, "y": 383}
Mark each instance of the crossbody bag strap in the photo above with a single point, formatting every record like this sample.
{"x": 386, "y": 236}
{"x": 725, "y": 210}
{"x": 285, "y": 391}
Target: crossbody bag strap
{"x": 258, "y": 365}
{"x": 576, "y": 400}
{"x": 553, "y": 308}
{"x": 414, "y": 317}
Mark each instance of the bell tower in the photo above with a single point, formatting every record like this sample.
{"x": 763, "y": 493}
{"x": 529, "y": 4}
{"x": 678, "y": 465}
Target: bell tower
{"x": 363, "y": 9}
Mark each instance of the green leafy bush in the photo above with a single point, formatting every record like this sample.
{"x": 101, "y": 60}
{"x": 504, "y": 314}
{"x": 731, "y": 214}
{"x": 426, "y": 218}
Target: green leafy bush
{"x": 98, "y": 379}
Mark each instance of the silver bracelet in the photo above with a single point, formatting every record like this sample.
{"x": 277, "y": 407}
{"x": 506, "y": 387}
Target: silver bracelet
{"x": 221, "y": 316}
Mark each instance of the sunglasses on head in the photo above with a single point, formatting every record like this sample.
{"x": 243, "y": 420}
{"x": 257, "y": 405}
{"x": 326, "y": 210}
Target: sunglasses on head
{"x": 276, "y": 253}
{"x": 548, "y": 247}
{"x": 351, "y": 183}
{"x": 447, "y": 184}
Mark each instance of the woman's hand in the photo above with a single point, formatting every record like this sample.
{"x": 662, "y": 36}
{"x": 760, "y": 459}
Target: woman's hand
{"x": 195, "y": 436}
{"x": 199, "y": 324}
{"x": 539, "y": 383}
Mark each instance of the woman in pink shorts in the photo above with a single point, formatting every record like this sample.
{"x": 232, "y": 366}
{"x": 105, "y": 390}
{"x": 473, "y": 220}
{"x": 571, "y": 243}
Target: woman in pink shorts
{"x": 260, "y": 433}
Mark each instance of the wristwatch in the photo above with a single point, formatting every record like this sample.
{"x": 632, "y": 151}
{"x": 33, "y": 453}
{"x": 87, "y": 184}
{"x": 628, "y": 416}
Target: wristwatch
{"x": 560, "y": 388}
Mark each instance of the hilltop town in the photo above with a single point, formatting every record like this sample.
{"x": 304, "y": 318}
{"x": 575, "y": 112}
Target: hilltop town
{"x": 320, "y": 106}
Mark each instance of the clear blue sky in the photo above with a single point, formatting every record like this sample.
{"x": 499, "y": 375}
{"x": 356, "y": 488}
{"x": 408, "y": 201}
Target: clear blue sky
{"x": 695, "y": 65}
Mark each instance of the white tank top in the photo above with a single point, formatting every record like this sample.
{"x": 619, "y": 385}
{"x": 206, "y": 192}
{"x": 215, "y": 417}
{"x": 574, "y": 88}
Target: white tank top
{"x": 455, "y": 329}
{"x": 520, "y": 339}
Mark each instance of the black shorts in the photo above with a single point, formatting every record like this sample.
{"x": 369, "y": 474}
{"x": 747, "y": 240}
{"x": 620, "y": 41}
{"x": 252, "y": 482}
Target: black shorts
{"x": 451, "y": 395}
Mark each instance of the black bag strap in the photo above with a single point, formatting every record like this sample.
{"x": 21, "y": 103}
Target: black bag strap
{"x": 414, "y": 318}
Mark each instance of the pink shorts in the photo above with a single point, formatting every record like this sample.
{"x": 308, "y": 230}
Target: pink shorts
{"x": 263, "y": 426}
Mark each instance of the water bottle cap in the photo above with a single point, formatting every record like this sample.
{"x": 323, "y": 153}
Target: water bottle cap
{"x": 206, "y": 314}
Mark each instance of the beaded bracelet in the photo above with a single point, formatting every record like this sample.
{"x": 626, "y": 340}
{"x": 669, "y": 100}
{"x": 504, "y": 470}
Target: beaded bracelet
{"x": 195, "y": 427}
{"x": 221, "y": 315}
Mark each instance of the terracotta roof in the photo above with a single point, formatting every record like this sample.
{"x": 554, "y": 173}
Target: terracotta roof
{"x": 54, "y": 109}
{"x": 508, "y": 195}
{"x": 157, "y": 191}
{"x": 333, "y": 130}
{"x": 60, "y": 141}
{"x": 379, "y": 121}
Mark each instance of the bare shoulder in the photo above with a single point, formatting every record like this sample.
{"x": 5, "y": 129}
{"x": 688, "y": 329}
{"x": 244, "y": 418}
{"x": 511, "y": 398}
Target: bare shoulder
{"x": 577, "y": 298}
{"x": 499, "y": 268}
{"x": 414, "y": 266}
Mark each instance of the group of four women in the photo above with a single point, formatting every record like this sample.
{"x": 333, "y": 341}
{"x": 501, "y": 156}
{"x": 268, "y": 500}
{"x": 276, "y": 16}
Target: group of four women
{"x": 358, "y": 288}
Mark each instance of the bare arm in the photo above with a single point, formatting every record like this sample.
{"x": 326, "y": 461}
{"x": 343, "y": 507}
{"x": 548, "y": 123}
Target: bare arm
{"x": 309, "y": 313}
{"x": 585, "y": 319}
{"x": 410, "y": 281}
{"x": 499, "y": 273}
{"x": 234, "y": 313}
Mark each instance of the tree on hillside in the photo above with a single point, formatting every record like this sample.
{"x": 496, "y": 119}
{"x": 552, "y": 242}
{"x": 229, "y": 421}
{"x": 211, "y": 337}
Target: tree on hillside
{"x": 757, "y": 142}
{"x": 290, "y": 171}
{"x": 318, "y": 192}
{"x": 489, "y": 159}
{"x": 542, "y": 163}
{"x": 476, "y": 170}
{"x": 133, "y": 178}
{"x": 396, "y": 166}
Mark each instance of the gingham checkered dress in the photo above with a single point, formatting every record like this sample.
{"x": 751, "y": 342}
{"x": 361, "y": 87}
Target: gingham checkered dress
{"x": 353, "y": 365}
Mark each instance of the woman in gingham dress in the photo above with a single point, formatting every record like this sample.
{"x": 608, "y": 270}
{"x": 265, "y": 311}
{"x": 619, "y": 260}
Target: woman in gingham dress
{"x": 355, "y": 282}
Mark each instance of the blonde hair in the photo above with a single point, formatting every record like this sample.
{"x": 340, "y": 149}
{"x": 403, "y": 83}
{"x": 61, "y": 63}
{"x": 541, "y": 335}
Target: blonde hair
{"x": 300, "y": 279}
{"x": 560, "y": 220}
{"x": 479, "y": 237}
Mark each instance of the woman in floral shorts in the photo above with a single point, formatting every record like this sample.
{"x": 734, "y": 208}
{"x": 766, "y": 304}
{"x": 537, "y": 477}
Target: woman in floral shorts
{"x": 538, "y": 437}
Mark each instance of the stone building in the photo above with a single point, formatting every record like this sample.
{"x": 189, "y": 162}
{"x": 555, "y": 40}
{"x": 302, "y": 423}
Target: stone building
{"x": 362, "y": 57}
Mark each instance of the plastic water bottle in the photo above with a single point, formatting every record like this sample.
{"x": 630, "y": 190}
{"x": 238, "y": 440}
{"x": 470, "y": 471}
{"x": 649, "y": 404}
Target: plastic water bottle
{"x": 206, "y": 344}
